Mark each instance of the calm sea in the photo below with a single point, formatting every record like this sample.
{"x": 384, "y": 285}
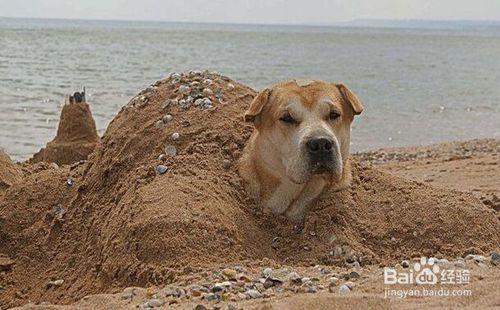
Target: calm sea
{"x": 419, "y": 86}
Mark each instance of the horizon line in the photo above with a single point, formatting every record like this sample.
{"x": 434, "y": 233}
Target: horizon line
{"x": 351, "y": 22}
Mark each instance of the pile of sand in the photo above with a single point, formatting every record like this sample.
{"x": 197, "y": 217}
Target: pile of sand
{"x": 122, "y": 224}
{"x": 76, "y": 136}
{"x": 9, "y": 172}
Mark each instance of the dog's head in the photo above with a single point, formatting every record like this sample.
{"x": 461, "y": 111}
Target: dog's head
{"x": 305, "y": 127}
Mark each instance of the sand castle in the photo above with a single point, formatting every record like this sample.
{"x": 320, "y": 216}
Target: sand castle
{"x": 76, "y": 135}
{"x": 125, "y": 224}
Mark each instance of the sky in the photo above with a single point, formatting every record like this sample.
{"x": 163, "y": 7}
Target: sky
{"x": 254, "y": 11}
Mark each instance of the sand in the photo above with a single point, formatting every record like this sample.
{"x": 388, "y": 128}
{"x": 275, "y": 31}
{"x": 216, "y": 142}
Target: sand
{"x": 118, "y": 223}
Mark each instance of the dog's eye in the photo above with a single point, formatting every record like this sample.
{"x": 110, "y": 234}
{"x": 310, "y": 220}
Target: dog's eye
{"x": 287, "y": 118}
{"x": 334, "y": 115}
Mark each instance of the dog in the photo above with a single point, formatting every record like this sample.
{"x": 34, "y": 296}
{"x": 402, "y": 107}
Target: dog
{"x": 299, "y": 146}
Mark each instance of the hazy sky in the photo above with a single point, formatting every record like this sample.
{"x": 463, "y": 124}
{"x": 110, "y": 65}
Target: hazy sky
{"x": 253, "y": 11}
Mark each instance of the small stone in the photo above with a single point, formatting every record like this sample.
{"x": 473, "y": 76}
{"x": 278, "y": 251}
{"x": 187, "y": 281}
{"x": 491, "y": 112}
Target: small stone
{"x": 153, "y": 303}
{"x": 167, "y": 118}
{"x": 253, "y": 294}
{"x": 344, "y": 290}
{"x": 54, "y": 166}
{"x": 354, "y": 275}
{"x": 334, "y": 281}
{"x": 267, "y": 272}
{"x": 495, "y": 258}
{"x": 210, "y": 297}
{"x": 198, "y": 102}
{"x": 69, "y": 182}
{"x": 170, "y": 150}
{"x": 184, "y": 89}
{"x": 226, "y": 164}
{"x": 160, "y": 124}
{"x": 218, "y": 287}
{"x": 175, "y": 76}
{"x": 127, "y": 296}
{"x": 405, "y": 264}
{"x": 207, "y": 103}
{"x": 207, "y": 82}
{"x": 56, "y": 283}
{"x": 230, "y": 273}
{"x": 175, "y": 136}
{"x": 200, "y": 307}
{"x": 208, "y": 92}
{"x": 161, "y": 169}
{"x": 294, "y": 277}
{"x": 161, "y": 157}
{"x": 230, "y": 87}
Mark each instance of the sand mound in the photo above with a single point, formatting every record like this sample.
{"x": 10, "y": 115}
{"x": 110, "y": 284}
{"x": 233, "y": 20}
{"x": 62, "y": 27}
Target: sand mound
{"x": 126, "y": 224}
{"x": 9, "y": 172}
{"x": 76, "y": 136}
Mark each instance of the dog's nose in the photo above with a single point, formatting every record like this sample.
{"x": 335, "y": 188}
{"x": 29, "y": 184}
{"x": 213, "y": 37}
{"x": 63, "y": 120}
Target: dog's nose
{"x": 319, "y": 146}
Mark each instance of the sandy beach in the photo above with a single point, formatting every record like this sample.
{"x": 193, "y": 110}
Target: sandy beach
{"x": 154, "y": 215}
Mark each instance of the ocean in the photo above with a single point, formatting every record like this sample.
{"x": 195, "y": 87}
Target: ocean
{"x": 419, "y": 86}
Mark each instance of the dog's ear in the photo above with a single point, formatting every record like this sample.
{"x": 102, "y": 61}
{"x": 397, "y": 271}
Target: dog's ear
{"x": 257, "y": 105}
{"x": 351, "y": 98}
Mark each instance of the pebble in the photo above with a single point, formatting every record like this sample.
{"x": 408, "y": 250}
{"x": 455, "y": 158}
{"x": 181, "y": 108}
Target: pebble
{"x": 175, "y": 136}
{"x": 207, "y": 82}
{"x": 170, "y": 150}
{"x": 210, "y": 297}
{"x": 175, "y": 76}
{"x": 153, "y": 303}
{"x": 294, "y": 277}
{"x": 207, "y": 103}
{"x": 167, "y": 118}
{"x": 230, "y": 87}
{"x": 253, "y": 294}
{"x": 267, "y": 272}
{"x": 69, "y": 182}
{"x": 184, "y": 89}
{"x": 354, "y": 275}
{"x": 230, "y": 273}
{"x": 161, "y": 169}
{"x": 56, "y": 283}
{"x": 160, "y": 124}
{"x": 460, "y": 264}
{"x": 344, "y": 290}
{"x": 161, "y": 157}
{"x": 198, "y": 102}
{"x": 208, "y": 92}
{"x": 200, "y": 307}
{"x": 54, "y": 166}
{"x": 495, "y": 258}
{"x": 405, "y": 264}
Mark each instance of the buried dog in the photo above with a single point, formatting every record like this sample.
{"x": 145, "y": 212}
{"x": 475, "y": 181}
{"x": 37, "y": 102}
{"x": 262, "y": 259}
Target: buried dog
{"x": 300, "y": 144}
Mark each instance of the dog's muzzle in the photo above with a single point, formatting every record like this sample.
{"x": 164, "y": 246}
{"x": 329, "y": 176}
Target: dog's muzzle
{"x": 321, "y": 155}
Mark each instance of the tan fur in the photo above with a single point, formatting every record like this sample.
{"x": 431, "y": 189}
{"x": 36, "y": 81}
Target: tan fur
{"x": 274, "y": 165}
